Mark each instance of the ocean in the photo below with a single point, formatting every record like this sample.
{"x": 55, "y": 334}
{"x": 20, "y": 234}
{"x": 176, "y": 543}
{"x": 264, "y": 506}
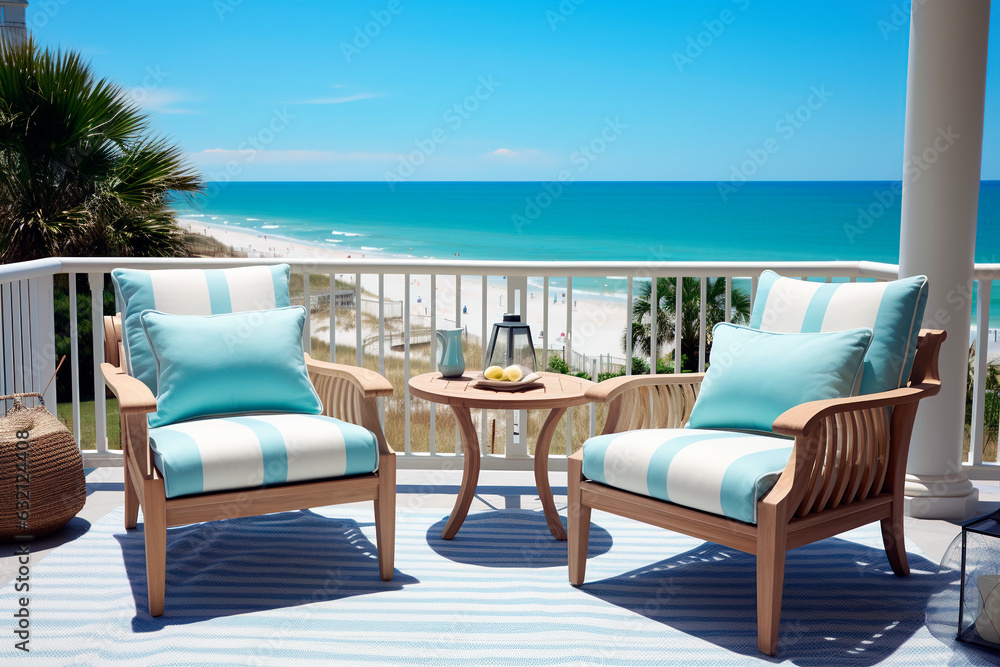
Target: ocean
{"x": 641, "y": 221}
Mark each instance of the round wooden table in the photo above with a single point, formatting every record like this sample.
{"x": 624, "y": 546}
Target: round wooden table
{"x": 557, "y": 393}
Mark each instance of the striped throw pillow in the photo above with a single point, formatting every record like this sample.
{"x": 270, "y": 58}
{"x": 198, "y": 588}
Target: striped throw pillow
{"x": 190, "y": 292}
{"x": 893, "y": 310}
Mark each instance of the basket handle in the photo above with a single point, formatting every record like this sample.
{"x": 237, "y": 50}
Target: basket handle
{"x": 26, "y": 394}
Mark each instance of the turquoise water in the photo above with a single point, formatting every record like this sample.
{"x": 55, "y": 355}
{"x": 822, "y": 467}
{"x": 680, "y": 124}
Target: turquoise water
{"x": 645, "y": 221}
{"x": 599, "y": 221}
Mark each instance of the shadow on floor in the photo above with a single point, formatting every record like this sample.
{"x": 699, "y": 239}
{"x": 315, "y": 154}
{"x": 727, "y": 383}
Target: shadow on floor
{"x": 842, "y": 604}
{"x": 509, "y": 538}
{"x": 239, "y": 566}
{"x": 76, "y": 527}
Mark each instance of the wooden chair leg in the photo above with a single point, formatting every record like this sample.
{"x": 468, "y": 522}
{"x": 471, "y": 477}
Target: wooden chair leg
{"x": 131, "y": 500}
{"x": 385, "y": 516}
{"x": 154, "y": 517}
{"x": 892, "y": 538}
{"x": 578, "y": 524}
{"x": 771, "y": 547}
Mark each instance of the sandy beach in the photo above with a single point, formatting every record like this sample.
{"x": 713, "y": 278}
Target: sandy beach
{"x": 598, "y": 322}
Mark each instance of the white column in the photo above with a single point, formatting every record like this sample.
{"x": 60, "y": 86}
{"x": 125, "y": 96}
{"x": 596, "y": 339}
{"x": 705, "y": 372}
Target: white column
{"x": 945, "y": 92}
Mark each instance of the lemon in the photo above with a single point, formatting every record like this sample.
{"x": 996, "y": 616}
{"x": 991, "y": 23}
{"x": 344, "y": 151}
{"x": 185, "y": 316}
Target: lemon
{"x": 512, "y": 373}
{"x": 493, "y": 373}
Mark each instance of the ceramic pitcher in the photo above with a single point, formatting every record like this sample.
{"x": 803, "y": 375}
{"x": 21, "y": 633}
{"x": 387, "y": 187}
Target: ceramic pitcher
{"x": 450, "y": 361}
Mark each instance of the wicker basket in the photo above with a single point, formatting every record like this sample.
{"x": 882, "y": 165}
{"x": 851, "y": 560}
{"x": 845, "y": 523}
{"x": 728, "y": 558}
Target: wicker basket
{"x": 42, "y": 485}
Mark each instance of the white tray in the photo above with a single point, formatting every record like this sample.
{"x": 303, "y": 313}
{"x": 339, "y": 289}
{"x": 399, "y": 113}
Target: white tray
{"x": 529, "y": 381}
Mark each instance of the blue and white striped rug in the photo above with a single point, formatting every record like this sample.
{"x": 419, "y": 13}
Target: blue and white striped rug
{"x": 303, "y": 587}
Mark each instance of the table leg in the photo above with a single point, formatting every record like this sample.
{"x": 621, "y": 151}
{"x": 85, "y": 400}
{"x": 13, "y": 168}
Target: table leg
{"x": 542, "y": 473}
{"x": 470, "y": 473}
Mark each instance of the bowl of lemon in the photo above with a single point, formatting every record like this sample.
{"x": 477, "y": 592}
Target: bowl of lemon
{"x": 511, "y": 378}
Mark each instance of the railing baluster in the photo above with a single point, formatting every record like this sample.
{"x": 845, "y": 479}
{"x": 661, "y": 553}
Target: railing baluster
{"x": 702, "y": 334}
{"x": 307, "y": 301}
{"x": 654, "y": 330}
{"x": 569, "y": 355}
{"x": 406, "y": 363}
{"x": 44, "y": 346}
{"x": 33, "y": 338}
{"x": 678, "y": 320}
{"x": 545, "y": 323}
{"x": 381, "y": 342}
{"x": 484, "y": 413}
{"x": 7, "y": 310}
{"x": 74, "y": 357}
{"x": 729, "y": 298}
{"x": 358, "y": 334}
{"x": 979, "y": 376}
{"x": 97, "y": 322}
{"x": 18, "y": 356}
{"x": 628, "y": 326}
{"x": 433, "y": 406}
{"x": 333, "y": 317}
{"x": 459, "y": 449}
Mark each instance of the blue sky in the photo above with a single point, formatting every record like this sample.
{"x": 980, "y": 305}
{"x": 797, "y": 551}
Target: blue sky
{"x": 514, "y": 89}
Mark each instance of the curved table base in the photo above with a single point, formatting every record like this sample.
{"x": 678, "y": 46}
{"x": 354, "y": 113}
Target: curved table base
{"x": 470, "y": 473}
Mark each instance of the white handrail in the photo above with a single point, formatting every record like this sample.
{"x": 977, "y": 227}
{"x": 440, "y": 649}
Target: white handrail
{"x": 26, "y": 330}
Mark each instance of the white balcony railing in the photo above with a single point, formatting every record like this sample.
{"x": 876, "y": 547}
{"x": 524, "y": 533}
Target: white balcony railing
{"x": 385, "y": 334}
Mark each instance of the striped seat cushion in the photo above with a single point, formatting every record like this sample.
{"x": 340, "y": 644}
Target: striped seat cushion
{"x": 722, "y": 472}
{"x": 893, "y": 310}
{"x": 190, "y": 292}
{"x": 228, "y": 453}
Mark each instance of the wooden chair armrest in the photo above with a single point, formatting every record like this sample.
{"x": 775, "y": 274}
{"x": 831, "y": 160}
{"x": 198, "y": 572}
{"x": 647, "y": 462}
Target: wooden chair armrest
{"x": 802, "y": 419}
{"x": 134, "y": 397}
{"x": 610, "y": 389}
{"x": 369, "y": 383}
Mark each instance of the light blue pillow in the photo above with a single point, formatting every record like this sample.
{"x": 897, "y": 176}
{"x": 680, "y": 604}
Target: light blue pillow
{"x": 190, "y": 292}
{"x": 232, "y": 364}
{"x": 893, "y": 310}
{"x": 757, "y": 375}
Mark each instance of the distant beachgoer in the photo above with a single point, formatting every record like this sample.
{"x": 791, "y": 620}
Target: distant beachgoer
{"x": 465, "y": 310}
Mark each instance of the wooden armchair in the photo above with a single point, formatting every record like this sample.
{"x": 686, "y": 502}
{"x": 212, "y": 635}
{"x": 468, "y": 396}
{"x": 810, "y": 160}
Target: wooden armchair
{"x": 846, "y": 470}
{"x": 347, "y": 393}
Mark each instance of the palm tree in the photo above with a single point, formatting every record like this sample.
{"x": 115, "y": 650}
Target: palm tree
{"x": 80, "y": 173}
{"x": 666, "y": 298}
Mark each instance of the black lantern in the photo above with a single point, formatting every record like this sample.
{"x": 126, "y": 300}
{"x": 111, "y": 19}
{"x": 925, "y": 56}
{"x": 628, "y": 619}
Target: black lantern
{"x": 979, "y": 597}
{"x": 510, "y": 344}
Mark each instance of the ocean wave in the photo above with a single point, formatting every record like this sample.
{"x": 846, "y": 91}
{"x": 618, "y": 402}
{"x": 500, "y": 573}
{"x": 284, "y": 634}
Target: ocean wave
{"x": 194, "y": 215}
{"x": 268, "y": 226}
{"x": 368, "y": 247}
{"x": 336, "y": 233}
{"x": 253, "y": 219}
{"x": 333, "y": 240}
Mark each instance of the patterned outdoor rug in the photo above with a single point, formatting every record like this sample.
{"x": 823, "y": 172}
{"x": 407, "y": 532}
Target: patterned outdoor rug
{"x": 303, "y": 587}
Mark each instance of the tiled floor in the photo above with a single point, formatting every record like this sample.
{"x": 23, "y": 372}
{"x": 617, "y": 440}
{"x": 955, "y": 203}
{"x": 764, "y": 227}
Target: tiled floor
{"x": 437, "y": 489}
